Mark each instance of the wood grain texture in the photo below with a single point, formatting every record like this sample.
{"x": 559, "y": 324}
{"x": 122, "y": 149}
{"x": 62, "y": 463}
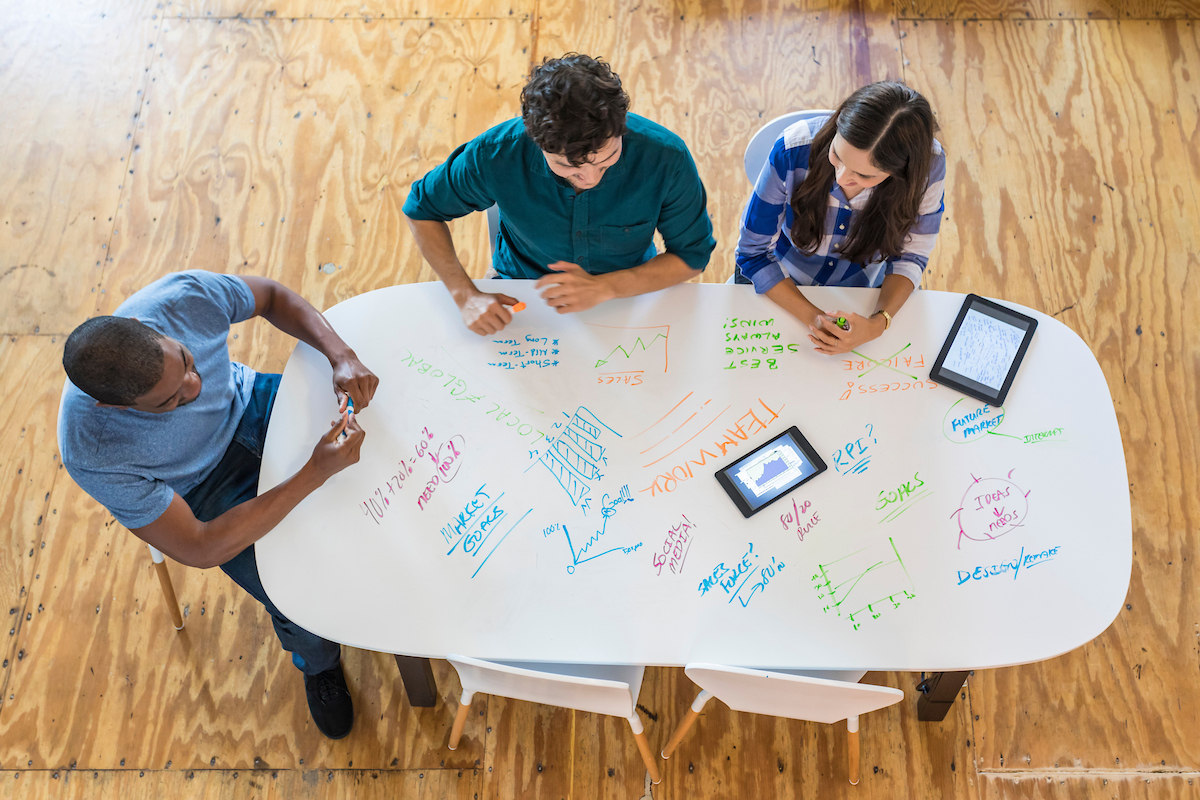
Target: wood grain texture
{"x": 730, "y": 754}
{"x": 441, "y": 784}
{"x": 1070, "y": 190}
{"x": 351, "y": 9}
{"x": 104, "y": 682}
{"x": 714, "y": 73}
{"x": 276, "y": 147}
{"x": 71, "y": 76}
{"x": 28, "y": 470}
{"x": 1048, "y": 9}
{"x": 1113, "y": 786}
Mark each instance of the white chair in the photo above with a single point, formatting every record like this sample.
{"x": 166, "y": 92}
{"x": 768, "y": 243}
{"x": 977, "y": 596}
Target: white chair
{"x": 160, "y": 564}
{"x": 762, "y": 142}
{"x": 586, "y": 687}
{"x": 813, "y": 696}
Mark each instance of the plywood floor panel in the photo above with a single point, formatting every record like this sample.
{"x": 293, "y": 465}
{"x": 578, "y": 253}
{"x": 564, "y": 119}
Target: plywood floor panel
{"x": 277, "y": 147}
{"x": 28, "y": 471}
{"x": 72, "y": 78}
{"x": 351, "y": 9}
{"x": 729, "y": 754}
{"x": 715, "y": 73}
{"x": 1048, "y": 9}
{"x": 528, "y": 749}
{"x": 1112, "y": 786}
{"x": 1067, "y": 195}
{"x": 441, "y": 784}
{"x": 104, "y": 682}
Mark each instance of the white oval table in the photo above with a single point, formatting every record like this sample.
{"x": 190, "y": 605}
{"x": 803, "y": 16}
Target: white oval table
{"x": 547, "y": 493}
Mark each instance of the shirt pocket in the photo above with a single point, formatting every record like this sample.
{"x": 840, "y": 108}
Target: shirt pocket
{"x": 626, "y": 242}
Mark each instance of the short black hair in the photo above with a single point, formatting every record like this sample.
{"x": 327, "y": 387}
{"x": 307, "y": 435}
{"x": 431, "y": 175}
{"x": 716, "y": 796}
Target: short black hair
{"x": 113, "y": 359}
{"x": 573, "y": 105}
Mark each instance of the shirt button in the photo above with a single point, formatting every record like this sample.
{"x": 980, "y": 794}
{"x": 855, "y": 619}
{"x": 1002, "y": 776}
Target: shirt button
{"x": 627, "y": 230}
{"x": 841, "y": 227}
{"x": 579, "y": 233}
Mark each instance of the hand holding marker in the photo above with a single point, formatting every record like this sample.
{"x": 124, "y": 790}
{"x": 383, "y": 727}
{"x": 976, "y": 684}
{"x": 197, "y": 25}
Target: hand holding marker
{"x": 842, "y": 323}
{"x": 350, "y": 411}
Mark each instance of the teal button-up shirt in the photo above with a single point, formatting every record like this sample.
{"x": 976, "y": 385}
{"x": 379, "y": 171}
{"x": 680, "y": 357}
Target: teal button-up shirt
{"x": 654, "y": 184}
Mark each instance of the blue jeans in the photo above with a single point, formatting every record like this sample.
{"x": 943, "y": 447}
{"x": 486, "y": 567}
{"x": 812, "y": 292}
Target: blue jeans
{"x": 234, "y": 481}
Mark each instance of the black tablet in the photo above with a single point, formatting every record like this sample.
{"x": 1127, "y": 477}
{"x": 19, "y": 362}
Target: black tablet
{"x": 984, "y": 349}
{"x": 770, "y": 471}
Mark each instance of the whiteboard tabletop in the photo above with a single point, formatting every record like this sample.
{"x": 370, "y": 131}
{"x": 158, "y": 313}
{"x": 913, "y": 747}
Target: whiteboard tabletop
{"x": 547, "y": 493}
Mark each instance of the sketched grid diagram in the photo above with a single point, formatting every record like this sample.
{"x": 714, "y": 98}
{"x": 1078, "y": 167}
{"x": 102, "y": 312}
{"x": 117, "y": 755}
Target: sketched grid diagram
{"x": 863, "y": 584}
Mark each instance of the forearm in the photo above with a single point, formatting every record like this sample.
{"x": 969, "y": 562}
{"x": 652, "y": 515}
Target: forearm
{"x": 893, "y": 294}
{"x": 295, "y": 316}
{"x": 659, "y": 272}
{"x": 244, "y": 524}
{"x": 437, "y": 247}
{"x": 787, "y": 296}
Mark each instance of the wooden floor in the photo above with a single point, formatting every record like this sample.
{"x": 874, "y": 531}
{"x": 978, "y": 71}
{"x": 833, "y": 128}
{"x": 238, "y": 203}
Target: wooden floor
{"x": 140, "y": 137}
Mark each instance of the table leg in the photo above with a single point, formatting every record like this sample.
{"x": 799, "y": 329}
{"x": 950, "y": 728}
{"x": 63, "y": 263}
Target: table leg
{"x": 419, "y": 684}
{"x": 938, "y": 693}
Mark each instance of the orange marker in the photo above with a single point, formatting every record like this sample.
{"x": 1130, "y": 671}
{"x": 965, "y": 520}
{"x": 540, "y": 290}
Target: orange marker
{"x": 518, "y": 307}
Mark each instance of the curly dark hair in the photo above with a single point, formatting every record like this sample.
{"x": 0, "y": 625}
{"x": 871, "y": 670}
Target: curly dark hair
{"x": 573, "y": 105}
{"x": 113, "y": 359}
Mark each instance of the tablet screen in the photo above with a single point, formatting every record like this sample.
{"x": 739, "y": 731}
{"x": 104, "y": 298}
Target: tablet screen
{"x": 984, "y": 348}
{"x": 772, "y": 470}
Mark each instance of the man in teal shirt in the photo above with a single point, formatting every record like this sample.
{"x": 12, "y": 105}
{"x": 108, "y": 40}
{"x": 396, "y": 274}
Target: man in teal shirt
{"x": 581, "y": 186}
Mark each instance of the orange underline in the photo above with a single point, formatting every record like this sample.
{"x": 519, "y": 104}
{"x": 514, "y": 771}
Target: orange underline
{"x": 686, "y": 421}
{"x": 664, "y": 416}
{"x": 694, "y": 435}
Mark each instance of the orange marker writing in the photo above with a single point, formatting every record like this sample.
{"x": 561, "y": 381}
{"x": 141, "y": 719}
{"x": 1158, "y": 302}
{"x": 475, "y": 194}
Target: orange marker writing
{"x": 518, "y": 307}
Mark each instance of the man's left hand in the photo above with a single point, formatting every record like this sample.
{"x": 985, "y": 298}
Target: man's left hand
{"x": 831, "y": 339}
{"x": 352, "y": 379}
{"x": 570, "y": 288}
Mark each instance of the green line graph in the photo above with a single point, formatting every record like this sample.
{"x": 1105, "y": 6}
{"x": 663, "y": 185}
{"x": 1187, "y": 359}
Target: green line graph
{"x": 642, "y": 343}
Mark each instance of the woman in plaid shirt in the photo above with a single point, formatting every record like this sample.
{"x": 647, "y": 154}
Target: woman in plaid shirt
{"x": 854, "y": 199}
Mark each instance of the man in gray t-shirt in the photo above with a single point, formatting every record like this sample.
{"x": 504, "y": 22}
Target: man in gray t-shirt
{"x": 160, "y": 427}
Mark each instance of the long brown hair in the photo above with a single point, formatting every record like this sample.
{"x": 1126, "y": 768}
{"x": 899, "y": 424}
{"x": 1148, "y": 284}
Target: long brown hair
{"x": 895, "y": 125}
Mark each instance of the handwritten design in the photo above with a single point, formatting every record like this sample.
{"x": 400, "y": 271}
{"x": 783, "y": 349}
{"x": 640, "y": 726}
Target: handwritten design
{"x": 974, "y": 420}
{"x": 990, "y": 508}
{"x": 861, "y": 585}
{"x": 1022, "y": 561}
{"x": 745, "y": 426}
{"x": 608, "y": 509}
{"x": 896, "y": 501}
{"x": 532, "y": 351}
{"x": 675, "y": 547}
{"x": 475, "y": 525}
{"x": 576, "y": 454}
{"x": 855, "y": 457}
{"x": 446, "y": 460}
{"x": 796, "y": 518}
{"x": 457, "y": 388}
{"x": 739, "y": 333}
{"x": 643, "y": 346}
{"x": 745, "y": 574}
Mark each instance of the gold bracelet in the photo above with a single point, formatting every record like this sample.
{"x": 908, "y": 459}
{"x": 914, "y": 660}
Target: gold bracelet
{"x": 887, "y": 318}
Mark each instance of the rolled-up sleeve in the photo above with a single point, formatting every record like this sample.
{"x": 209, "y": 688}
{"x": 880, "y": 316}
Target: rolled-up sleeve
{"x": 762, "y": 219}
{"x": 922, "y": 236}
{"x": 683, "y": 222}
{"x": 453, "y": 189}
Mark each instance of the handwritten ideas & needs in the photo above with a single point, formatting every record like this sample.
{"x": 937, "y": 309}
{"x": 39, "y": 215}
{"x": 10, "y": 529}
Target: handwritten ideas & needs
{"x": 990, "y": 508}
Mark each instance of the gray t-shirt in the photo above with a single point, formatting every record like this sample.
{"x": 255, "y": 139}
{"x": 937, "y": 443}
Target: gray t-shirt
{"x": 132, "y": 462}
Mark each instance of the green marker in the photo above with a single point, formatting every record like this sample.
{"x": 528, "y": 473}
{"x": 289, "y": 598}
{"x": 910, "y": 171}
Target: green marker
{"x": 842, "y": 323}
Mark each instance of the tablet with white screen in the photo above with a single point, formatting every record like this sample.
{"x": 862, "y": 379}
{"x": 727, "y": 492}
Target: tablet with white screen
{"x": 984, "y": 349}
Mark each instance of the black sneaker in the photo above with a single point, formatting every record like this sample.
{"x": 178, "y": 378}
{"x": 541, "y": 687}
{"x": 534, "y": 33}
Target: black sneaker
{"x": 329, "y": 702}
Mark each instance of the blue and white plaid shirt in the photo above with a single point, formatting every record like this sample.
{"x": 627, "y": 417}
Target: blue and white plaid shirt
{"x": 765, "y": 253}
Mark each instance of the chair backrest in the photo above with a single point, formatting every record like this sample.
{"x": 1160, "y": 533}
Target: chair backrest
{"x": 578, "y": 691}
{"x": 781, "y": 694}
{"x": 762, "y": 142}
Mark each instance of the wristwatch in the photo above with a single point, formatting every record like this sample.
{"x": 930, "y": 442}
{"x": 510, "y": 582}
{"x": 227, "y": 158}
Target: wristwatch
{"x": 887, "y": 318}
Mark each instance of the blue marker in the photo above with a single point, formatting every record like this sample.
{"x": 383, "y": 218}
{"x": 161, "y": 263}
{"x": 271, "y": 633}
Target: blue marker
{"x": 350, "y": 409}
